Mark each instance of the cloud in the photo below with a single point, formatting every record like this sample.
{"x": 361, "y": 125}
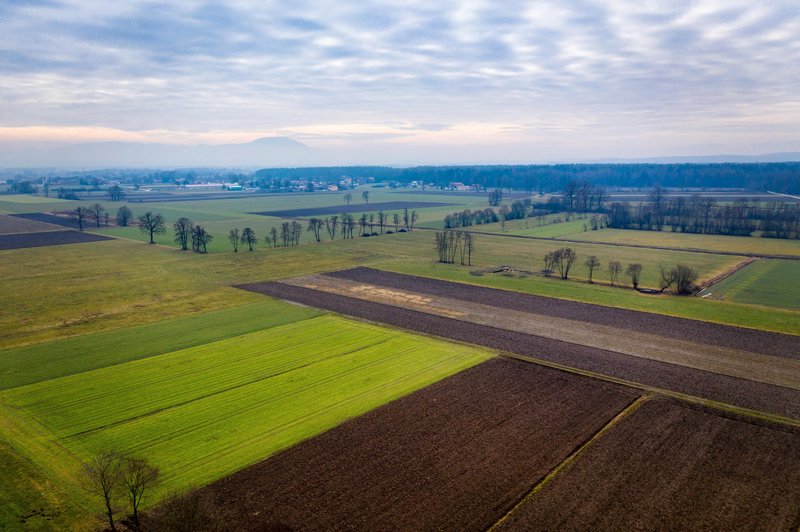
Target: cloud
{"x": 585, "y": 69}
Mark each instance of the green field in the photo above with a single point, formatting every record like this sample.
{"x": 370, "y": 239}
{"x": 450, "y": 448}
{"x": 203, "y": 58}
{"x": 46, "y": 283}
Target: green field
{"x": 206, "y": 411}
{"x": 768, "y": 282}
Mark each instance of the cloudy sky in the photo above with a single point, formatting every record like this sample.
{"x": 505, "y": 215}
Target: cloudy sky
{"x": 408, "y": 81}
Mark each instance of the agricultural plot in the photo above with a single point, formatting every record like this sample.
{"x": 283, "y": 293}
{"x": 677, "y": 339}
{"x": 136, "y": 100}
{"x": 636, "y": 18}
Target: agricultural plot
{"x": 48, "y": 219}
{"x": 47, "y": 238}
{"x": 731, "y": 376}
{"x": 746, "y": 245}
{"x": 456, "y": 455}
{"x": 15, "y": 225}
{"x": 674, "y": 466}
{"x": 45, "y": 361}
{"x": 386, "y": 206}
{"x": 769, "y": 282}
{"x": 203, "y": 412}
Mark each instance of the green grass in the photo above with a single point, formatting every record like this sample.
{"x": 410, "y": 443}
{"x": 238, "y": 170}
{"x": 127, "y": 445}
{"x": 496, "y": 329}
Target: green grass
{"x": 29, "y": 364}
{"x": 731, "y": 244}
{"x": 203, "y": 412}
{"x": 768, "y": 282}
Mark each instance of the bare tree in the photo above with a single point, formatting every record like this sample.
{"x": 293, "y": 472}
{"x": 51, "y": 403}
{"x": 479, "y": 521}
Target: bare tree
{"x": 124, "y": 215}
{"x": 495, "y": 197}
{"x": 200, "y": 239}
{"x": 331, "y": 224}
{"x": 233, "y": 236}
{"x": 183, "y": 231}
{"x": 382, "y": 219}
{"x": 634, "y": 271}
{"x": 79, "y": 215}
{"x": 396, "y": 220}
{"x": 563, "y": 260}
{"x": 151, "y": 224}
{"x": 348, "y": 198}
{"x": 249, "y": 237}
{"x": 365, "y": 196}
{"x": 96, "y": 211}
{"x": 682, "y": 276}
{"x": 138, "y": 477}
{"x": 414, "y": 218}
{"x": 315, "y": 225}
{"x": 115, "y": 193}
{"x": 614, "y": 269}
{"x": 272, "y": 238}
{"x": 103, "y": 477}
{"x": 591, "y": 263}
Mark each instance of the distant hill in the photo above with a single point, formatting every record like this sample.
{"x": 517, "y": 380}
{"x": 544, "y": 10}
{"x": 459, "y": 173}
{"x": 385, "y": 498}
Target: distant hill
{"x": 267, "y": 151}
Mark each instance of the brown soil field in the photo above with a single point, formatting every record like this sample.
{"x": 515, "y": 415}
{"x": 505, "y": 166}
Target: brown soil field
{"x": 671, "y": 467}
{"x": 63, "y": 221}
{"x": 740, "y": 392}
{"x": 456, "y": 455}
{"x": 764, "y": 342}
{"x": 15, "y": 224}
{"x": 49, "y": 238}
{"x": 353, "y": 207}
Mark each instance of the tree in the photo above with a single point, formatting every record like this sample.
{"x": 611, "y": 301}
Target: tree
{"x": 138, "y": 477}
{"x": 79, "y": 215}
{"x": 682, "y": 276}
{"x": 331, "y": 224}
{"x": 315, "y": 225}
{"x": 151, "y": 224}
{"x": 115, "y": 193}
{"x": 382, "y": 219}
{"x": 249, "y": 237}
{"x": 634, "y": 271}
{"x": 348, "y": 198}
{"x": 233, "y": 236}
{"x": 103, "y": 477}
{"x": 200, "y": 239}
{"x": 591, "y": 263}
{"x": 96, "y": 212}
{"x": 614, "y": 269}
{"x": 273, "y": 232}
{"x": 658, "y": 200}
{"x": 396, "y": 220}
{"x": 414, "y": 218}
{"x": 183, "y": 232}
{"x": 365, "y": 196}
{"x": 563, "y": 259}
{"x": 124, "y": 215}
{"x": 495, "y": 197}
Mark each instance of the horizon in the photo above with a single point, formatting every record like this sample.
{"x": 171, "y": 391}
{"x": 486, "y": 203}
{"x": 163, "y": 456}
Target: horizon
{"x": 406, "y": 84}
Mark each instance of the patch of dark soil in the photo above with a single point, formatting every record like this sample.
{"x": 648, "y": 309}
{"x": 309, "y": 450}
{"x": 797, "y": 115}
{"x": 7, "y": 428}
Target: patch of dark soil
{"x": 672, "y": 467}
{"x": 698, "y": 383}
{"x": 356, "y": 207}
{"x": 455, "y": 455}
{"x": 48, "y": 238}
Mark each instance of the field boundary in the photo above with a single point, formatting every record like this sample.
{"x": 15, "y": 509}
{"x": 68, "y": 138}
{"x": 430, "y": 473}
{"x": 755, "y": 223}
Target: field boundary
{"x": 574, "y": 455}
{"x": 705, "y": 285}
{"x": 620, "y": 245}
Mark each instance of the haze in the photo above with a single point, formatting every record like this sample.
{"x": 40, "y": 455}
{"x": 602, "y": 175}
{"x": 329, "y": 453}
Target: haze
{"x": 405, "y": 82}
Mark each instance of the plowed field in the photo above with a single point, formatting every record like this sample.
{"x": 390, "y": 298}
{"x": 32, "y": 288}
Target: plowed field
{"x": 47, "y": 238}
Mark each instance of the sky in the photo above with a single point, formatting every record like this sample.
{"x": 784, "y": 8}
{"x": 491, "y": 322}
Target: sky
{"x": 407, "y": 81}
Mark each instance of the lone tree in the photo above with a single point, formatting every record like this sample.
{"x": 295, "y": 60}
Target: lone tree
{"x": 79, "y": 215}
{"x": 233, "y": 236}
{"x": 591, "y": 263}
{"x": 103, "y": 477}
{"x": 115, "y": 193}
{"x": 634, "y": 271}
{"x": 563, "y": 259}
{"x": 124, "y": 215}
{"x": 151, "y": 224}
{"x": 249, "y": 238}
{"x": 365, "y": 196}
{"x": 96, "y": 211}
{"x": 348, "y": 198}
{"x": 614, "y": 269}
{"x": 138, "y": 477}
{"x": 183, "y": 232}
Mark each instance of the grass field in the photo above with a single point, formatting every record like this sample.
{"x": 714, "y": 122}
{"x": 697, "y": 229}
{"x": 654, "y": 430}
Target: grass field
{"x": 202, "y": 412}
{"x": 768, "y": 282}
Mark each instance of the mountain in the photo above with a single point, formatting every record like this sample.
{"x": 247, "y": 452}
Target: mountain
{"x": 267, "y": 151}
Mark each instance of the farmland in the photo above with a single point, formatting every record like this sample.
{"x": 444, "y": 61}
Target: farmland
{"x": 47, "y": 238}
{"x": 456, "y": 455}
{"x": 205, "y": 411}
{"x": 155, "y": 351}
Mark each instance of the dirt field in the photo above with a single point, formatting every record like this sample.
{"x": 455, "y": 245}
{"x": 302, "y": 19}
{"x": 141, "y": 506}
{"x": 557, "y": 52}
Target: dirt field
{"x": 668, "y": 466}
{"x": 741, "y": 392}
{"x": 49, "y": 238}
{"x": 457, "y": 455}
{"x": 14, "y": 225}
{"x": 48, "y": 218}
{"x": 354, "y": 207}
{"x": 709, "y": 333}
